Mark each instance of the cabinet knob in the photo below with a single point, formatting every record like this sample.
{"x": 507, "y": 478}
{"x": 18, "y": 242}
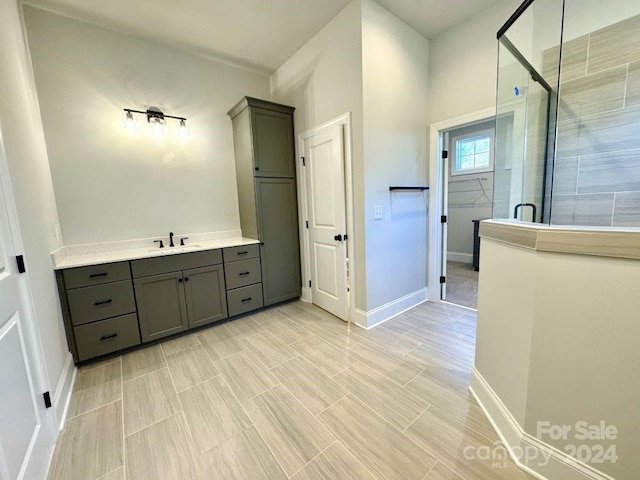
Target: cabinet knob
{"x": 186, "y": 279}
{"x": 179, "y": 280}
{"x": 257, "y": 168}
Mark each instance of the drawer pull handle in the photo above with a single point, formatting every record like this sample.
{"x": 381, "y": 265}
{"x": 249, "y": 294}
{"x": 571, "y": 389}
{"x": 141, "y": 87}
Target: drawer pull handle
{"x": 245, "y": 300}
{"x": 98, "y": 275}
{"x": 242, "y": 253}
{"x": 244, "y": 274}
{"x": 108, "y": 337}
{"x": 102, "y": 302}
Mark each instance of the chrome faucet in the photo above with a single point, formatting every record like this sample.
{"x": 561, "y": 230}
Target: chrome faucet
{"x": 171, "y": 239}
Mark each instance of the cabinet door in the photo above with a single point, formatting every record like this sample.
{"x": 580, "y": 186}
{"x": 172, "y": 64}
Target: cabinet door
{"x": 205, "y": 294}
{"x": 278, "y": 231}
{"x": 161, "y": 305}
{"x": 272, "y": 143}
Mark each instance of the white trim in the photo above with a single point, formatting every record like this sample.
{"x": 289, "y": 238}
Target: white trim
{"x": 62, "y": 394}
{"x": 460, "y": 257}
{"x": 383, "y": 313}
{"x": 436, "y": 172}
{"x": 560, "y": 466}
{"x": 305, "y": 258}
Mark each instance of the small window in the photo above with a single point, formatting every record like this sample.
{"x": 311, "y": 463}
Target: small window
{"x": 473, "y": 154}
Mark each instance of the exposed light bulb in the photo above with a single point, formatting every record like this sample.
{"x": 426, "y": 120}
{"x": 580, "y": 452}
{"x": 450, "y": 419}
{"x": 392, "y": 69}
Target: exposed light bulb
{"x": 156, "y": 125}
{"x": 130, "y": 122}
{"x": 184, "y": 130}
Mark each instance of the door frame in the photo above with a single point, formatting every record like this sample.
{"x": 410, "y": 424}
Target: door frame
{"x": 436, "y": 193}
{"x": 303, "y": 212}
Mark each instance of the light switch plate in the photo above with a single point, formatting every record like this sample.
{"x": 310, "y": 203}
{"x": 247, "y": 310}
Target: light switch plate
{"x": 377, "y": 212}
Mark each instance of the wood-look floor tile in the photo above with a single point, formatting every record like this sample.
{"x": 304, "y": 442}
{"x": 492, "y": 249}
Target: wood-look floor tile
{"x": 328, "y": 358}
{"x": 400, "y": 324}
{"x": 438, "y": 356}
{"x": 441, "y": 472}
{"x": 219, "y": 342}
{"x": 268, "y": 349}
{"x": 102, "y": 363}
{"x": 242, "y": 457}
{"x": 382, "y": 395}
{"x": 448, "y": 439}
{"x": 380, "y": 447}
{"x": 451, "y": 394}
{"x": 245, "y": 375}
{"x": 90, "y": 445}
{"x": 213, "y": 413}
{"x": 149, "y": 399}
{"x": 308, "y": 384}
{"x": 335, "y": 331}
{"x": 252, "y": 324}
{"x": 293, "y": 435}
{"x": 397, "y": 368}
{"x": 334, "y": 463}
{"x": 115, "y": 475}
{"x": 163, "y": 451}
{"x": 95, "y": 388}
{"x": 190, "y": 367}
{"x": 299, "y": 312}
{"x": 391, "y": 341}
{"x": 141, "y": 362}
{"x": 287, "y": 330}
{"x": 176, "y": 345}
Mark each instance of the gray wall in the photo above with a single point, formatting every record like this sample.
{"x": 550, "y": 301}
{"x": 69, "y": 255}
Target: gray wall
{"x": 597, "y": 169}
{"x": 113, "y": 185}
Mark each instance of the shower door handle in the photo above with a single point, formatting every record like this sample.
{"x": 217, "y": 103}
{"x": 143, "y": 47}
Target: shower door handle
{"x": 533, "y": 207}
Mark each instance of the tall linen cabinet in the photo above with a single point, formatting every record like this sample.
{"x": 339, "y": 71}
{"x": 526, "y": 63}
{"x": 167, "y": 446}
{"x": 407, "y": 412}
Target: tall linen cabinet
{"x": 266, "y": 176}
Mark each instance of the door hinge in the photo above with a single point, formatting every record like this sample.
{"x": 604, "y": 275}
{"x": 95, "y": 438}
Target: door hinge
{"x": 443, "y": 280}
{"x": 307, "y": 223}
{"x": 445, "y": 154}
{"x": 304, "y": 163}
{"x": 443, "y": 219}
{"x": 20, "y": 262}
{"x": 309, "y": 283}
{"x": 47, "y": 399}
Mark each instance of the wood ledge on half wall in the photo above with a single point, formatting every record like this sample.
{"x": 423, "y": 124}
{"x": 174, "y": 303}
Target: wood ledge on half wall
{"x": 595, "y": 241}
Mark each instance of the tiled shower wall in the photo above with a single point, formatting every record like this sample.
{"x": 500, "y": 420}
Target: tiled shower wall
{"x": 597, "y": 167}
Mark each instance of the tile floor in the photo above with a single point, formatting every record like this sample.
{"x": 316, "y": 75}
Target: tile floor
{"x": 286, "y": 393}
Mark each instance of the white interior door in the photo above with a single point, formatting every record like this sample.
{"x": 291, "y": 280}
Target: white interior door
{"x": 326, "y": 210}
{"x": 26, "y": 434}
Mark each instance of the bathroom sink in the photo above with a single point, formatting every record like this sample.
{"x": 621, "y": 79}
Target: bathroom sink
{"x": 185, "y": 248}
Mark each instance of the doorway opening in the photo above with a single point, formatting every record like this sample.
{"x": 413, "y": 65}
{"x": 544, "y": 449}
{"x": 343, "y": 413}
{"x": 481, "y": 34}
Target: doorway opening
{"x": 462, "y": 168}
{"x": 326, "y": 217}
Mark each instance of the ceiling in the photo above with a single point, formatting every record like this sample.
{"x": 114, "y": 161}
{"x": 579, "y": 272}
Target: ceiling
{"x": 259, "y": 34}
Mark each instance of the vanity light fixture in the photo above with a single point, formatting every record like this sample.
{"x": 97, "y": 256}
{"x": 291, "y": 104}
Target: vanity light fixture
{"x": 156, "y": 118}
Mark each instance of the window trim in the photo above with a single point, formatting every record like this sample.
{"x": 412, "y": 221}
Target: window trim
{"x": 454, "y": 142}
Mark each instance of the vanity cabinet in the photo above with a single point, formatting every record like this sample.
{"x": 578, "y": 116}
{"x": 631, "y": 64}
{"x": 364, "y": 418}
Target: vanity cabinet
{"x": 265, "y": 172}
{"x": 99, "y": 309}
{"x": 112, "y": 307}
{"x": 184, "y": 298}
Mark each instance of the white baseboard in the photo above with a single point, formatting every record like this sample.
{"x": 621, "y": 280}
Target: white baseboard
{"x": 460, "y": 257}
{"x": 389, "y": 310}
{"x": 62, "y": 394}
{"x": 542, "y": 461}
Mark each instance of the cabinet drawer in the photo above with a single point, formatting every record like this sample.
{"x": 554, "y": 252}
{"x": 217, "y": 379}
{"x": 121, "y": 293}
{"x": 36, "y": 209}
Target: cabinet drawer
{"x": 175, "y": 263}
{"x": 240, "y": 274}
{"x": 107, "y": 336}
{"x": 233, "y": 254}
{"x": 89, "y": 304}
{"x": 96, "y": 274}
{"x": 244, "y": 299}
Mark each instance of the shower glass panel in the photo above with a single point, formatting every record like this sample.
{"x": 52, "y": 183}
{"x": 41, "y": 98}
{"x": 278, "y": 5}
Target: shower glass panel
{"x": 526, "y": 108}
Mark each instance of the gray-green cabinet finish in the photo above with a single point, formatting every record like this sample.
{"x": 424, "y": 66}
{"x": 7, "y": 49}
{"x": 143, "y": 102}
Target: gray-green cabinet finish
{"x": 278, "y": 224}
{"x": 100, "y": 338}
{"x": 204, "y": 290}
{"x": 265, "y": 172}
{"x": 162, "y": 307}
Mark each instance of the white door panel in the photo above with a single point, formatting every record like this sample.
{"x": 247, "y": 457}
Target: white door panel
{"x": 26, "y": 432}
{"x": 324, "y": 154}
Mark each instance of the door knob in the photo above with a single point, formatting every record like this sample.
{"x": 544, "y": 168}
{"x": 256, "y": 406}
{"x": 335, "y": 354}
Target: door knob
{"x": 338, "y": 238}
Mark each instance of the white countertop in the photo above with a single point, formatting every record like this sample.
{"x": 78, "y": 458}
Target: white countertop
{"x": 82, "y": 256}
